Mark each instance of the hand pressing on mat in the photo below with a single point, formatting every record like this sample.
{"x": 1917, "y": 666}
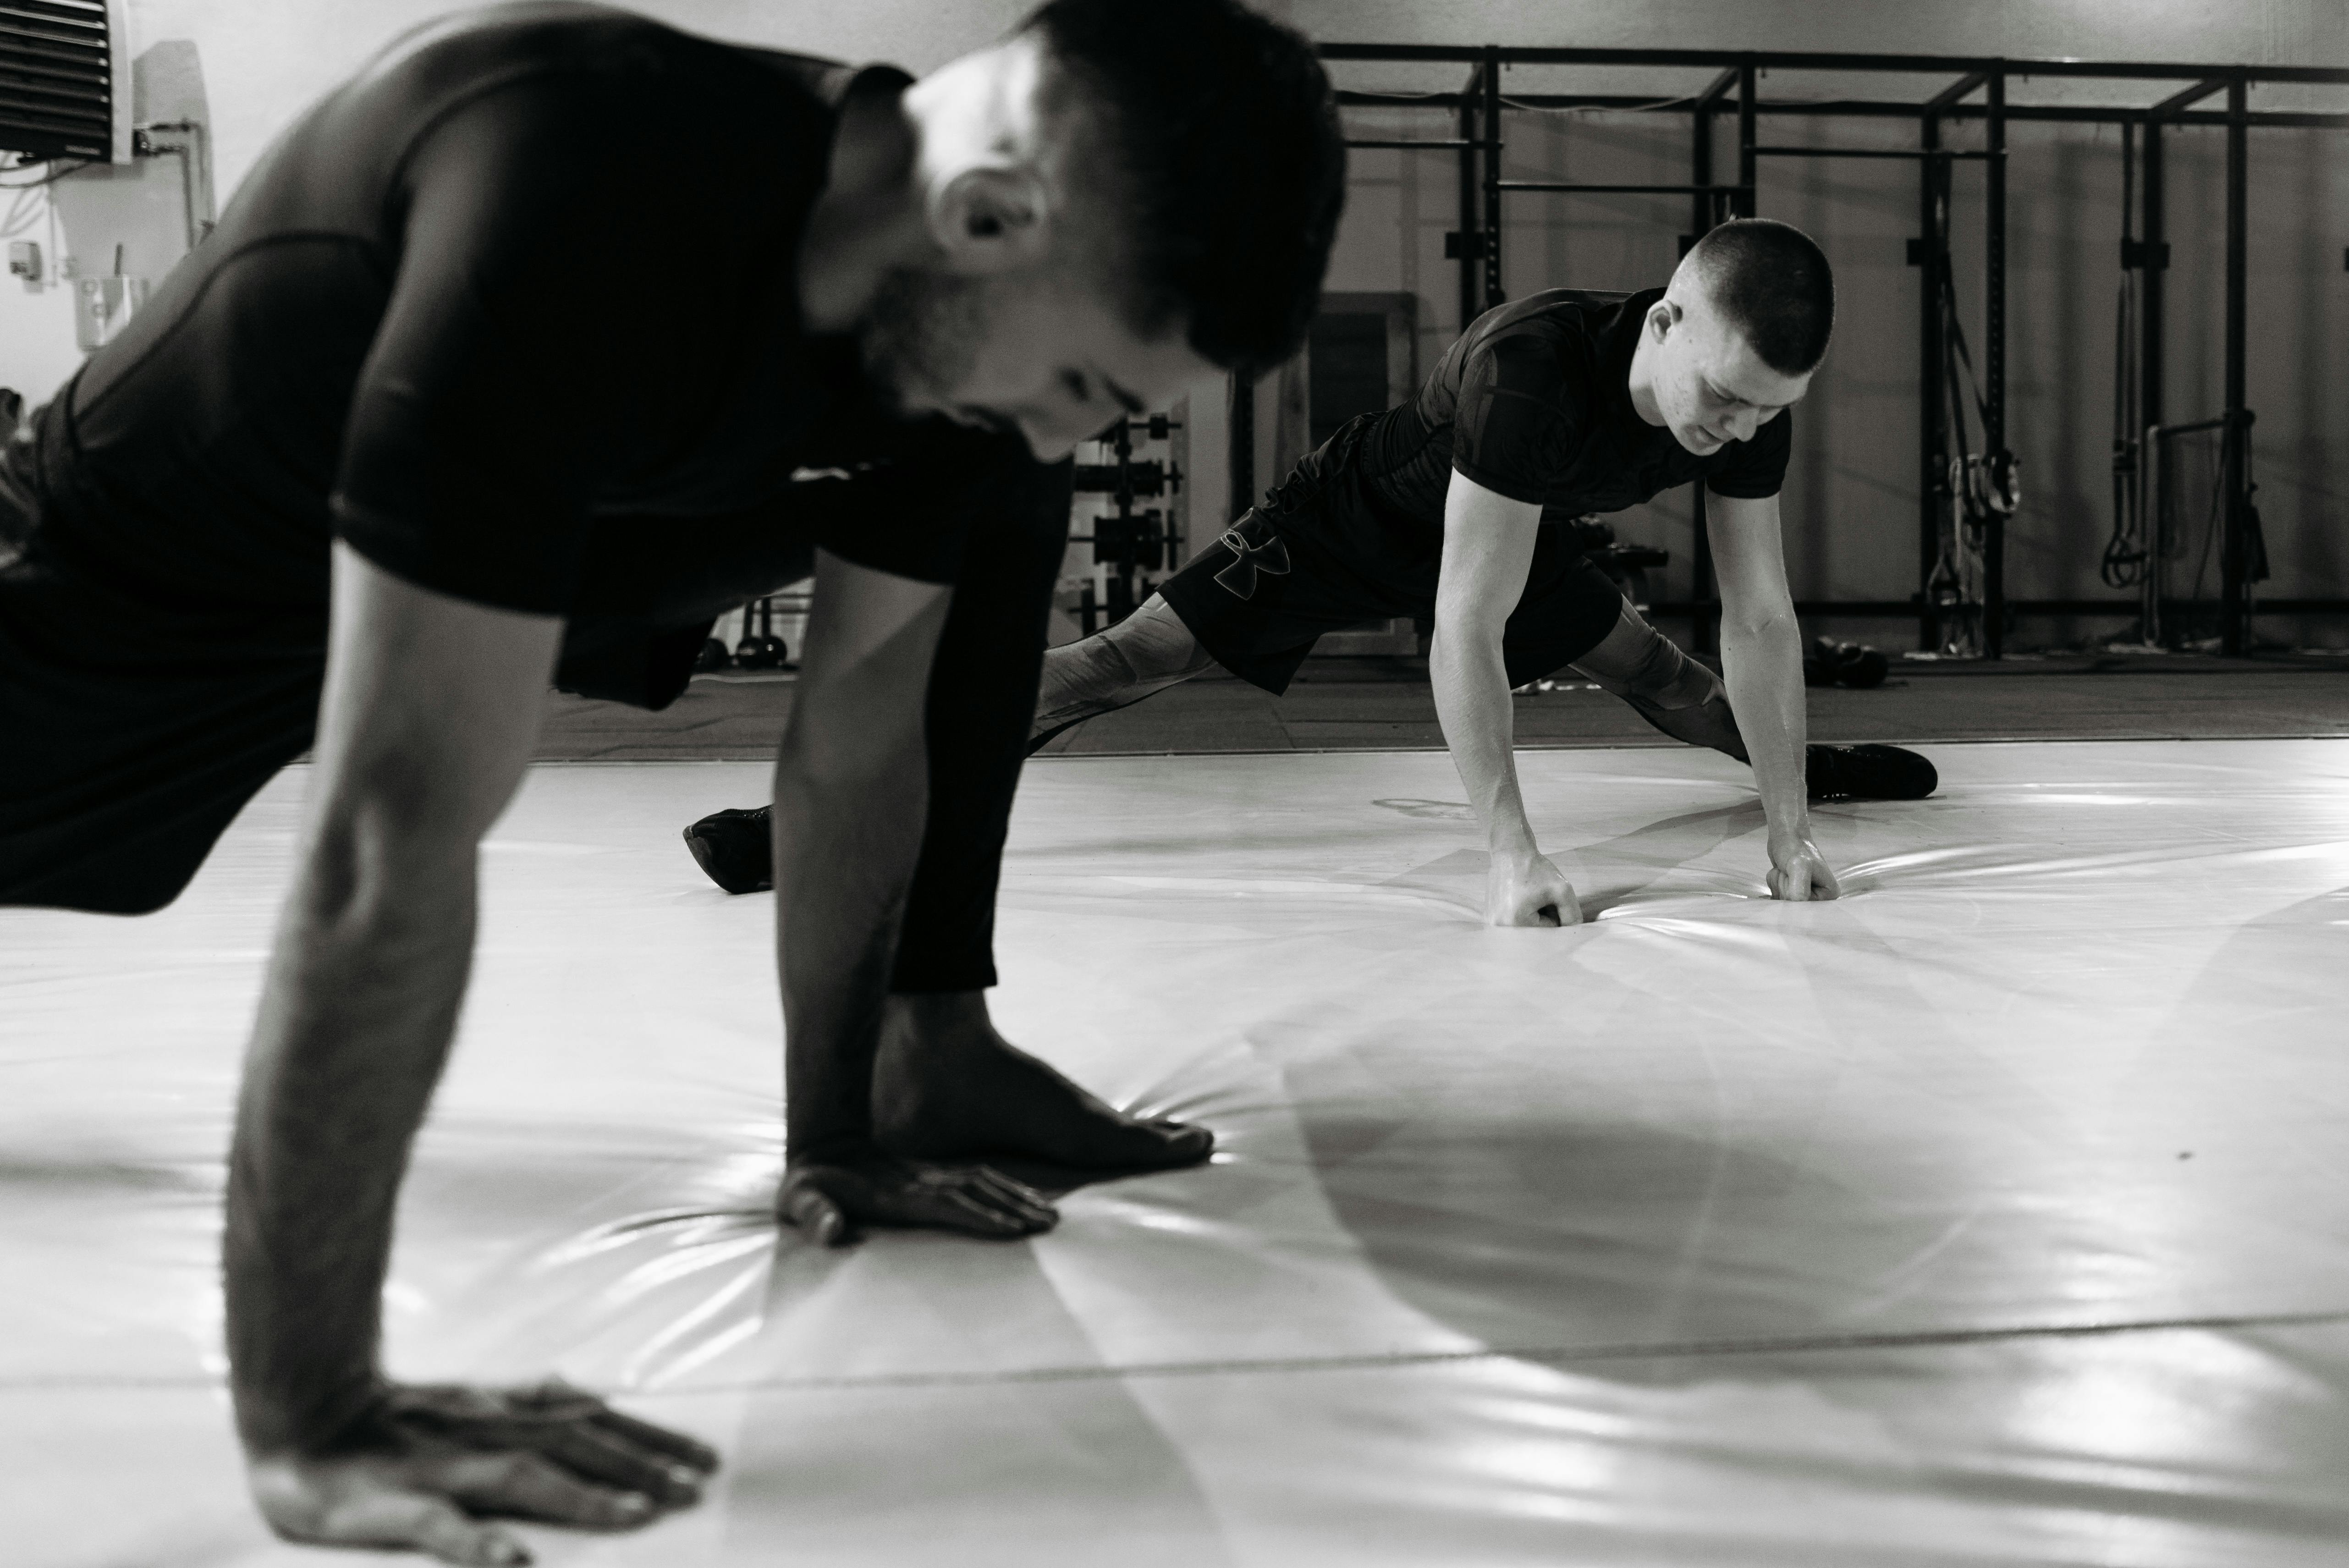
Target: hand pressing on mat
{"x": 1798, "y": 872}
{"x": 424, "y": 1467}
{"x": 833, "y": 1195}
{"x": 1529, "y": 890}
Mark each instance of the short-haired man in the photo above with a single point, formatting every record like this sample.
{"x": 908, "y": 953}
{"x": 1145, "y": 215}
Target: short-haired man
{"x": 412, "y": 430}
{"x": 1561, "y": 404}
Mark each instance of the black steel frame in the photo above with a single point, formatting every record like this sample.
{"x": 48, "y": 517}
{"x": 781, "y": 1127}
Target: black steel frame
{"x": 1480, "y": 102}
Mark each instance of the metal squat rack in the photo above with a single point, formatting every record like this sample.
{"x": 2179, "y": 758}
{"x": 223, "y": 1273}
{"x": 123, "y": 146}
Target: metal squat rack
{"x": 1479, "y": 107}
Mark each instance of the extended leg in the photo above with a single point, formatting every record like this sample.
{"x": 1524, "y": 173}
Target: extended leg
{"x": 1688, "y": 702}
{"x": 1145, "y": 654}
{"x": 1663, "y": 684}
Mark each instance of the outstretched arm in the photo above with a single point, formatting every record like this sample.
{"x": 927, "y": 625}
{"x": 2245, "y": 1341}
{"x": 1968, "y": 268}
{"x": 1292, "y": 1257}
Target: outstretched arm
{"x": 431, "y": 704}
{"x": 852, "y": 791}
{"x": 1762, "y": 663}
{"x": 1488, "y": 546}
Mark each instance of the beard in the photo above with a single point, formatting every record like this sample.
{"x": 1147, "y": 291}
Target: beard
{"x": 920, "y": 337}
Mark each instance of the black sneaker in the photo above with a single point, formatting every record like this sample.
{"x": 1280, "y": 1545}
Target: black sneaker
{"x": 1868, "y": 773}
{"x": 736, "y": 849}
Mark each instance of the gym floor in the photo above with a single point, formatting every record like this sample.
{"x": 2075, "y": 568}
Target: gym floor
{"x": 1364, "y": 704}
{"x": 1994, "y": 1213}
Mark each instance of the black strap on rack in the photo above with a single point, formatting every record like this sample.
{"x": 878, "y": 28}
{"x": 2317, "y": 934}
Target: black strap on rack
{"x": 1982, "y": 485}
{"x": 2131, "y": 545}
{"x": 1986, "y": 482}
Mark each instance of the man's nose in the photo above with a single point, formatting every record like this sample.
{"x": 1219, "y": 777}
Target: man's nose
{"x": 1743, "y": 423}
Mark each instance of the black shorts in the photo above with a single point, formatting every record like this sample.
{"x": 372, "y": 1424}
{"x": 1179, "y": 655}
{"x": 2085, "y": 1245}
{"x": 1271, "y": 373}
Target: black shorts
{"x": 133, "y": 729}
{"x": 131, "y": 735}
{"x": 1313, "y": 560}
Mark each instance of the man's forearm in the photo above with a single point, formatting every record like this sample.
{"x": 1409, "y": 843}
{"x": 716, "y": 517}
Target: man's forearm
{"x": 1763, "y": 666}
{"x": 1472, "y": 702}
{"x": 845, "y": 849}
{"x": 363, "y": 994}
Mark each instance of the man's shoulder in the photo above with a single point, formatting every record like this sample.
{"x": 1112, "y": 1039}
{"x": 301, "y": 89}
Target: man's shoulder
{"x": 1559, "y": 314}
{"x": 604, "y": 56}
{"x": 1549, "y": 345}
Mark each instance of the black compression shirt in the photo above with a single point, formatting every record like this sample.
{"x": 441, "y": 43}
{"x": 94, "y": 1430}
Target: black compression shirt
{"x": 1534, "y": 402}
{"x": 514, "y": 313}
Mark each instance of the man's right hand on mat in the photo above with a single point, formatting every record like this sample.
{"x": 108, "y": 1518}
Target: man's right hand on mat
{"x": 1529, "y": 891}
{"x": 834, "y": 1197}
{"x": 424, "y": 1467}
{"x": 1800, "y": 874}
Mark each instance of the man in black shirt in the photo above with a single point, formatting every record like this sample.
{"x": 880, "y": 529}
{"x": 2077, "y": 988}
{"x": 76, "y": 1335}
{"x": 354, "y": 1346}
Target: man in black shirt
{"x": 413, "y": 431}
{"x": 1555, "y": 405}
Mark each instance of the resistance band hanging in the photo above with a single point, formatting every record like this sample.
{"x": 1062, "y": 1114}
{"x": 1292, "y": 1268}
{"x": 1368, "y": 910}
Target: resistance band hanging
{"x": 2127, "y": 553}
{"x": 1982, "y": 485}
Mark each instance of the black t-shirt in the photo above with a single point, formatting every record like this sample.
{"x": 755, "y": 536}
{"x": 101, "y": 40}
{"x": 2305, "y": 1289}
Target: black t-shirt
{"x": 514, "y": 312}
{"x": 1534, "y": 402}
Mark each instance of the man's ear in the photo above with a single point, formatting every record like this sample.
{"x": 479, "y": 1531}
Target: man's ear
{"x": 989, "y": 220}
{"x": 1662, "y": 316}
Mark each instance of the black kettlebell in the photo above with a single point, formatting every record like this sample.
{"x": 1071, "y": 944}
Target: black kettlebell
{"x": 713, "y": 656}
{"x": 1853, "y": 665}
{"x": 761, "y": 649}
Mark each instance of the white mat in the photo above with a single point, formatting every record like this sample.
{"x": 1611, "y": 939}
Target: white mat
{"x": 1717, "y": 1231}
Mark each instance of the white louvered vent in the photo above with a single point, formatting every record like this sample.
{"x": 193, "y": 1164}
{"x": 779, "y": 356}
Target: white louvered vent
{"x": 62, "y": 90}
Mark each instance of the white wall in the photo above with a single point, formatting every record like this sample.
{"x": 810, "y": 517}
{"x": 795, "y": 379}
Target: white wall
{"x": 267, "y": 58}
{"x": 262, "y": 61}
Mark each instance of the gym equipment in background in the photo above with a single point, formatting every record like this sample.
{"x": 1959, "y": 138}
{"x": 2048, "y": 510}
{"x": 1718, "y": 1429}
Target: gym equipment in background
{"x": 1626, "y": 565}
{"x": 1129, "y": 542}
{"x": 1978, "y": 492}
{"x": 1971, "y": 90}
{"x": 1853, "y": 665}
{"x": 760, "y": 650}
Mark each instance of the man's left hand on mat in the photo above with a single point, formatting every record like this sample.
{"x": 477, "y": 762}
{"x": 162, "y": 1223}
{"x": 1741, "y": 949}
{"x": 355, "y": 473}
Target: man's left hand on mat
{"x": 832, "y": 1198}
{"x": 426, "y": 1466}
{"x": 1799, "y": 873}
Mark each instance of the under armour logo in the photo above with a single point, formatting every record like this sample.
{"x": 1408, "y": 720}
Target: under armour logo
{"x": 1270, "y": 559}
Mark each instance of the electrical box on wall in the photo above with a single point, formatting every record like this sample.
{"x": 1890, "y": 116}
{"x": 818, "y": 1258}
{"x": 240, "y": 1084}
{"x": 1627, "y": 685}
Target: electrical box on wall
{"x": 24, "y": 260}
{"x": 104, "y": 306}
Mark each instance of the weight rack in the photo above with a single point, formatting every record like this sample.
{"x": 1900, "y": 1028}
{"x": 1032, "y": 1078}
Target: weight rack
{"x": 1130, "y": 541}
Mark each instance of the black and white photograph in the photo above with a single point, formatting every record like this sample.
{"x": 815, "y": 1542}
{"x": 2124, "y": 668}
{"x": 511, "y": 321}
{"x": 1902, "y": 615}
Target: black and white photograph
{"x": 1175, "y": 783}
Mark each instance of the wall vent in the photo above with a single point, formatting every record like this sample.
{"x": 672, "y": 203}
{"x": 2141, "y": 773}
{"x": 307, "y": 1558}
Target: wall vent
{"x": 63, "y": 92}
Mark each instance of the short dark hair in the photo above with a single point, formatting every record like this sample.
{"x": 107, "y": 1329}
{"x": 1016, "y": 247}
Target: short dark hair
{"x": 1772, "y": 281}
{"x": 1225, "y": 156}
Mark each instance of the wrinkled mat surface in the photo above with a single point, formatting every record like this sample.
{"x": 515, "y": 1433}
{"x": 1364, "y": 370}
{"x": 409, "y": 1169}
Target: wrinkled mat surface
{"x": 1997, "y": 1213}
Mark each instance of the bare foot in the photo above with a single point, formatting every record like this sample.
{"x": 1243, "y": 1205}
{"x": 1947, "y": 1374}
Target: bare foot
{"x": 945, "y": 1086}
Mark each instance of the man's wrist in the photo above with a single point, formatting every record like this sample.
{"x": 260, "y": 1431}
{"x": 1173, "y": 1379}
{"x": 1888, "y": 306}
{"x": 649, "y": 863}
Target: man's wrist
{"x": 1513, "y": 845}
{"x": 273, "y": 1422}
{"x": 832, "y": 1148}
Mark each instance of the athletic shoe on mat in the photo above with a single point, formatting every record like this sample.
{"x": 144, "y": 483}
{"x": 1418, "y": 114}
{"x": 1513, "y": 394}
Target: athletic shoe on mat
{"x": 736, "y": 847}
{"x": 1868, "y": 773}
